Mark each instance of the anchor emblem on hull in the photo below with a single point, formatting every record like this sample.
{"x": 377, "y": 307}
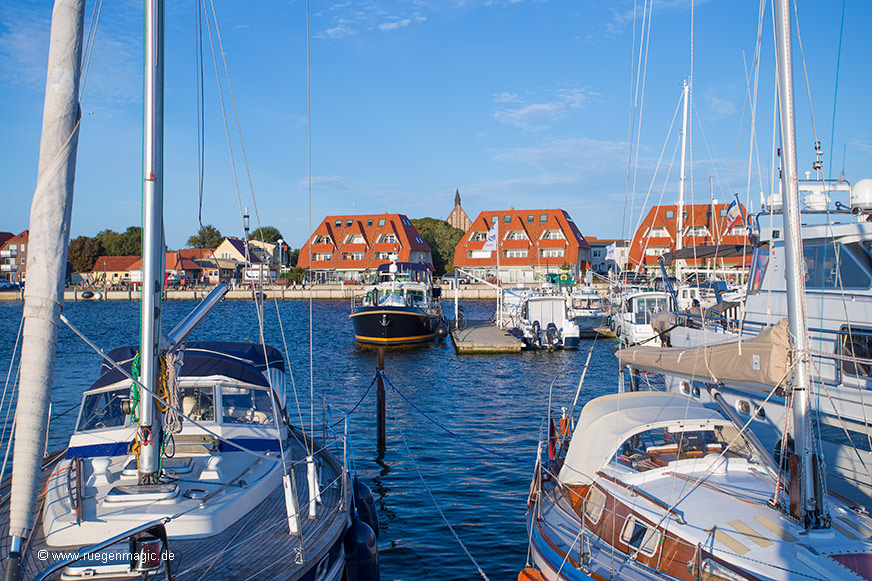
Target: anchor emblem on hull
{"x": 384, "y": 320}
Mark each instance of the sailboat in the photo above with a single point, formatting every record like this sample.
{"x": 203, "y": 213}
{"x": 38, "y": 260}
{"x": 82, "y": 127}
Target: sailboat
{"x": 183, "y": 463}
{"x": 653, "y": 485}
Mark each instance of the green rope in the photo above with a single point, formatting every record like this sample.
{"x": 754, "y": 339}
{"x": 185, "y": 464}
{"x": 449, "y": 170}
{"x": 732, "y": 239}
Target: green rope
{"x": 134, "y": 391}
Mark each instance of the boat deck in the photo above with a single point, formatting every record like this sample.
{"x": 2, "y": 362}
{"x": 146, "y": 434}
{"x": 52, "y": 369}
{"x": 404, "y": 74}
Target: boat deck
{"x": 485, "y": 337}
{"x": 257, "y": 546}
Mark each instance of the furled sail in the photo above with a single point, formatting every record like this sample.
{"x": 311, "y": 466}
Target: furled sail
{"x": 760, "y": 363}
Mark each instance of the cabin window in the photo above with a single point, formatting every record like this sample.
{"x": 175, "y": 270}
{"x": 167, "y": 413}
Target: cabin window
{"x": 241, "y": 405}
{"x": 594, "y": 504}
{"x": 759, "y": 262}
{"x": 637, "y": 535}
{"x": 830, "y": 266}
{"x": 103, "y": 410}
{"x": 198, "y": 403}
{"x": 855, "y": 343}
{"x": 644, "y": 307}
{"x": 658, "y": 447}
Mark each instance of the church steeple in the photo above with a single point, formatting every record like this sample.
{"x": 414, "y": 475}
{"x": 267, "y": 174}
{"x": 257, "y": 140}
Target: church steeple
{"x": 458, "y": 217}
{"x": 457, "y": 198}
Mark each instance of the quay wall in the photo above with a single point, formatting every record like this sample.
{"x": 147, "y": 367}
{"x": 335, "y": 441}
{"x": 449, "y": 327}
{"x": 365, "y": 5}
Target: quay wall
{"x": 335, "y": 292}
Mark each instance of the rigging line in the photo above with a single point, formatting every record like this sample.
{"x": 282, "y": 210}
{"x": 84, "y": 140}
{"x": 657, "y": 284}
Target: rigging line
{"x": 641, "y": 89}
{"x": 448, "y": 431}
{"x": 836, "y": 90}
{"x": 257, "y": 302}
{"x": 630, "y": 128}
{"x": 309, "y": 188}
{"x": 430, "y": 494}
{"x": 89, "y": 45}
{"x": 805, "y": 71}
{"x": 360, "y": 401}
{"x": 157, "y": 397}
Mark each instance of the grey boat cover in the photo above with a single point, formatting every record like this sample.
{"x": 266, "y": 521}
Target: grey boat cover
{"x": 761, "y": 362}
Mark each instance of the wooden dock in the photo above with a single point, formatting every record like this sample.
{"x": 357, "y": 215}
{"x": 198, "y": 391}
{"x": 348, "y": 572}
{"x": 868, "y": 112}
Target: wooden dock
{"x": 485, "y": 337}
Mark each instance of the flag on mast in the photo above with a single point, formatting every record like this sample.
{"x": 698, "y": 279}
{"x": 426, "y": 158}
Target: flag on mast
{"x": 491, "y": 240}
{"x": 734, "y": 214}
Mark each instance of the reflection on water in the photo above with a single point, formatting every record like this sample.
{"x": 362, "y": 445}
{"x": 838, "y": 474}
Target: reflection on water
{"x": 496, "y": 401}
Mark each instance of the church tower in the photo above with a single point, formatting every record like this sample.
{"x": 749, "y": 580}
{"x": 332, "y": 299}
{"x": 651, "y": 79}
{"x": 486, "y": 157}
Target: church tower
{"x": 458, "y": 217}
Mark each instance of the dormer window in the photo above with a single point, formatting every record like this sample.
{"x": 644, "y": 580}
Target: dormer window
{"x": 319, "y": 239}
{"x": 478, "y": 237}
{"x": 338, "y": 223}
{"x": 696, "y": 231}
{"x": 387, "y": 239}
{"x": 354, "y": 239}
{"x": 657, "y": 232}
{"x": 553, "y": 235}
{"x": 516, "y": 235}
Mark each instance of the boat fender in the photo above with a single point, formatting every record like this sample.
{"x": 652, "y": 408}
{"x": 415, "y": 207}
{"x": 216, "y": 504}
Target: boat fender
{"x": 618, "y": 332}
{"x": 365, "y": 505}
{"x": 441, "y": 330}
{"x": 373, "y": 297}
{"x": 612, "y": 324}
{"x": 87, "y": 295}
{"x": 361, "y": 552}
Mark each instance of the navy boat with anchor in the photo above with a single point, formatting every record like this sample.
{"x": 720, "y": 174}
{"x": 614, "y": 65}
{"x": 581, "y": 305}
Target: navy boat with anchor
{"x": 402, "y": 307}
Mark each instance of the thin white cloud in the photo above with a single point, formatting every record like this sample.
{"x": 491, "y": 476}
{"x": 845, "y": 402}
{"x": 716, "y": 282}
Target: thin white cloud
{"x": 24, "y": 45}
{"x": 577, "y": 156}
{"x": 717, "y": 106}
{"x": 533, "y": 117}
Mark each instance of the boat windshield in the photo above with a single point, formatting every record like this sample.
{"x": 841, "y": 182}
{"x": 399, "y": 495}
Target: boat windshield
{"x": 242, "y": 405}
{"x": 644, "y": 307}
{"x": 658, "y": 447}
{"x": 103, "y": 410}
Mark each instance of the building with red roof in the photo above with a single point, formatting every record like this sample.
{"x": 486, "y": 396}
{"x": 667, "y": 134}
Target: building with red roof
{"x": 113, "y": 269}
{"x": 13, "y": 258}
{"x": 703, "y": 224}
{"x": 346, "y": 248}
{"x": 530, "y": 244}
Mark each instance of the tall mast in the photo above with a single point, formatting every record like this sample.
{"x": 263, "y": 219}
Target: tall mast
{"x": 152, "y": 242}
{"x": 49, "y": 236}
{"x": 813, "y": 498}
{"x": 682, "y": 178}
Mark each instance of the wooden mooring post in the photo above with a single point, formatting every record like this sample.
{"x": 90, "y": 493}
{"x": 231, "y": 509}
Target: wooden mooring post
{"x": 380, "y": 407}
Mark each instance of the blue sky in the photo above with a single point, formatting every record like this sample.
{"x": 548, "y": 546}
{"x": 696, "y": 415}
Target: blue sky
{"x": 516, "y": 103}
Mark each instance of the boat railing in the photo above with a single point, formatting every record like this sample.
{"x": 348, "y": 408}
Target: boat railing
{"x": 79, "y": 555}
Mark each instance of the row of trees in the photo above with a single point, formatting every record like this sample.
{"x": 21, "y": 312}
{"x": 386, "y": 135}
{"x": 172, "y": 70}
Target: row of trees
{"x": 84, "y": 250}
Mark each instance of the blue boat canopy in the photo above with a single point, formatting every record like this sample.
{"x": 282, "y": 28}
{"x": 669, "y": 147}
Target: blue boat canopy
{"x": 246, "y": 362}
{"x": 405, "y": 266}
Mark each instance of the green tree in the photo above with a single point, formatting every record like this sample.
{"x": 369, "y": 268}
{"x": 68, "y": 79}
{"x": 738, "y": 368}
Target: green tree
{"x": 131, "y": 242}
{"x": 267, "y": 234}
{"x": 208, "y": 237}
{"x": 83, "y": 253}
{"x": 111, "y": 242}
{"x": 442, "y": 238}
{"x": 293, "y": 256}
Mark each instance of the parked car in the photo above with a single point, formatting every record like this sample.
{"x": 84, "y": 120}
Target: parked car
{"x": 448, "y": 279}
{"x": 4, "y": 285}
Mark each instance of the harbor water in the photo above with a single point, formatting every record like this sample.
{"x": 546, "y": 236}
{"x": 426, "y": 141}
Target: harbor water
{"x": 474, "y": 456}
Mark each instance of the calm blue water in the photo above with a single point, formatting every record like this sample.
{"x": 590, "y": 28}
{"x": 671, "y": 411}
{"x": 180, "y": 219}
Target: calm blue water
{"x": 496, "y": 401}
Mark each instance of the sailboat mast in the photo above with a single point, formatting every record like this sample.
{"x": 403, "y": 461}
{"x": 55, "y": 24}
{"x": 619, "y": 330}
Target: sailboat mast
{"x": 152, "y": 242}
{"x": 49, "y": 236}
{"x": 813, "y": 504}
{"x": 682, "y": 178}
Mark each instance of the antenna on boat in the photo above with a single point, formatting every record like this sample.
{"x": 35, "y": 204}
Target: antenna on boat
{"x": 812, "y": 508}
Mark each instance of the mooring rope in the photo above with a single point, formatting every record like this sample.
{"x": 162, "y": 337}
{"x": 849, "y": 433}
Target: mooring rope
{"x": 449, "y": 431}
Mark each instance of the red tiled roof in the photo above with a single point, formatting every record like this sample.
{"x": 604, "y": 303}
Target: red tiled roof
{"x": 534, "y": 228}
{"x": 367, "y": 225}
{"x": 708, "y": 215}
{"x": 114, "y": 263}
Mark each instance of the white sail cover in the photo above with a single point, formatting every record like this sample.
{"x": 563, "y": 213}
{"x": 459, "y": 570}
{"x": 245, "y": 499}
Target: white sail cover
{"x": 761, "y": 362}
{"x": 607, "y": 421}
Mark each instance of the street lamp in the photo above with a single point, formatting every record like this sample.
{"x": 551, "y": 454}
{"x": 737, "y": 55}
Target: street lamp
{"x": 280, "y": 242}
